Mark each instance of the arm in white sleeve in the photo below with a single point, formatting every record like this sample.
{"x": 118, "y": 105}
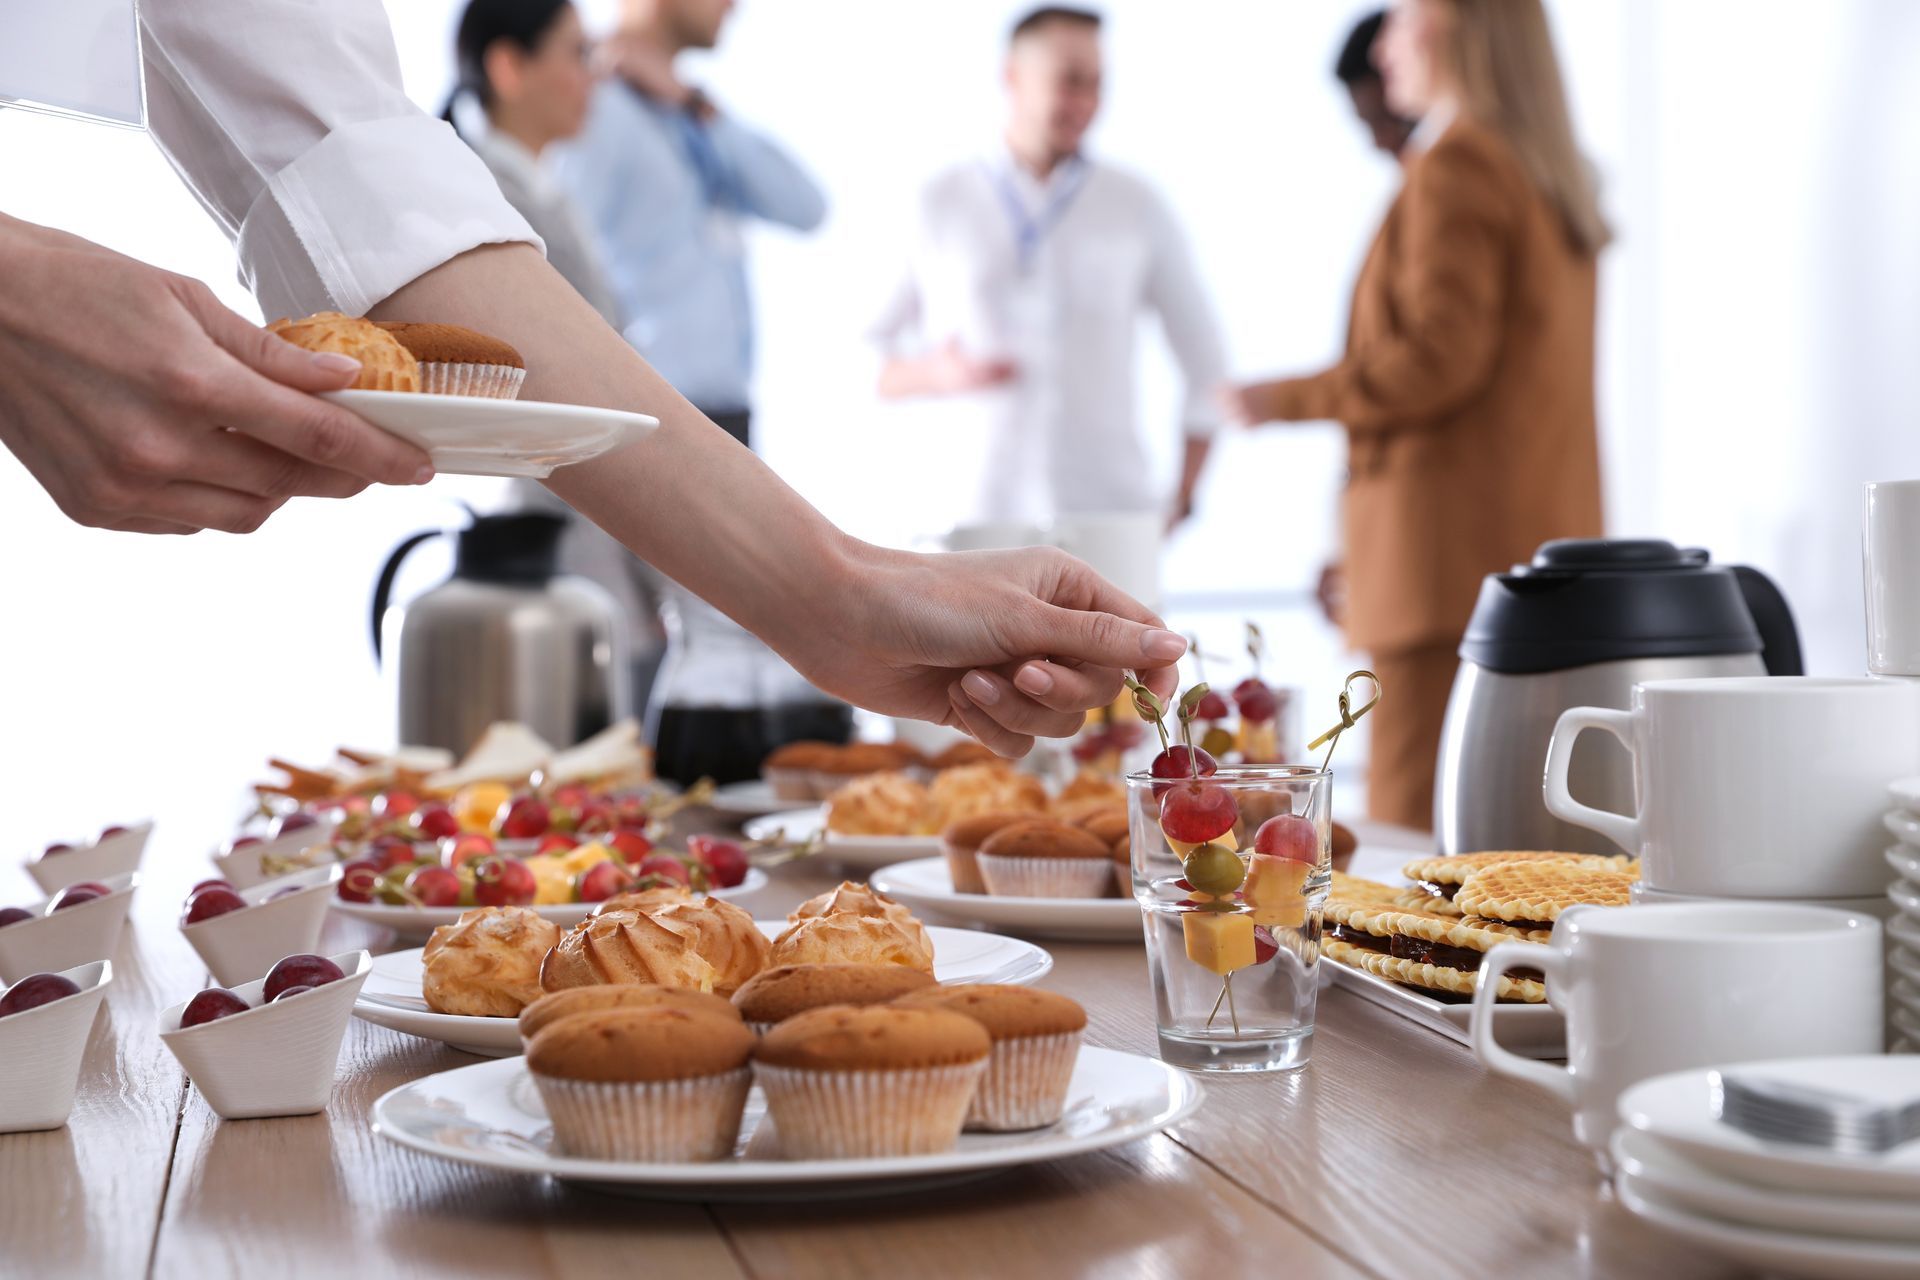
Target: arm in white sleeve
{"x": 772, "y": 185}
{"x": 1186, "y": 314}
{"x": 287, "y": 120}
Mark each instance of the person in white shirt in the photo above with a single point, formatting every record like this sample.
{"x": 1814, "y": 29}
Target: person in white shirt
{"x": 1028, "y": 273}
{"x": 140, "y": 403}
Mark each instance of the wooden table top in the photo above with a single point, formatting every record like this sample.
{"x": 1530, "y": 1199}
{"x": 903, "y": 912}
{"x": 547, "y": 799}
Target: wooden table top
{"x": 1392, "y": 1155}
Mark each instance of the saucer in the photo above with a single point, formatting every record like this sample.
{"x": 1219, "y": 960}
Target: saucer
{"x": 1818, "y": 1257}
{"x": 477, "y": 436}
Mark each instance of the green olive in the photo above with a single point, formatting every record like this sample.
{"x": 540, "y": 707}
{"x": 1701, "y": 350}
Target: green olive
{"x": 1214, "y": 868}
{"x": 1217, "y": 742}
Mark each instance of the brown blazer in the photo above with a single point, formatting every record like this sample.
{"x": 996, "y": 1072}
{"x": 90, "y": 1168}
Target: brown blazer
{"x": 1466, "y": 391}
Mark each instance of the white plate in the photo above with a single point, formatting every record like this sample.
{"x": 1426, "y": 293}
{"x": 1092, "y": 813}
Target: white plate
{"x": 475, "y": 436}
{"x": 418, "y": 922}
{"x": 1773, "y": 1252}
{"x": 1906, "y": 861}
{"x": 1904, "y": 962}
{"x": 1677, "y": 1109}
{"x": 926, "y": 885}
{"x": 1530, "y": 1030}
{"x": 490, "y": 1114}
{"x": 1905, "y": 826}
{"x": 392, "y": 995}
{"x": 1906, "y": 793}
{"x": 1688, "y": 1187}
{"x": 748, "y": 799}
{"x": 860, "y": 853}
{"x": 1906, "y": 897}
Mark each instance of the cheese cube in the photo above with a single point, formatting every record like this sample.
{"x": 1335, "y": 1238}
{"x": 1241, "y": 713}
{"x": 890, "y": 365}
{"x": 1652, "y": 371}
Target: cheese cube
{"x": 1275, "y": 889}
{"x": 1219, "y": 942}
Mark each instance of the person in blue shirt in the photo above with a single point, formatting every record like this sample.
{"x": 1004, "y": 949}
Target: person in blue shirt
{"x": 667, "y": 179}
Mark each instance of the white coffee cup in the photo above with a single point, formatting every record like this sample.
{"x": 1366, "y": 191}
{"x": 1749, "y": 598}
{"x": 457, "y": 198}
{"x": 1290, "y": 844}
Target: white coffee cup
{"x": 1752, "y": 786}
{"x": 1890, "y": 554}
{"x": 1647, "y": 990}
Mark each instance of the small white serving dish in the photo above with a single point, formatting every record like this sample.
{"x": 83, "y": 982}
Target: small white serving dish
{"x": 40, "y": 1052}
{"x": 242, "y": 945}
{"x": 243, "y": 867}
{"x": 75, "y": 936}
{"x": 102, "y": 860}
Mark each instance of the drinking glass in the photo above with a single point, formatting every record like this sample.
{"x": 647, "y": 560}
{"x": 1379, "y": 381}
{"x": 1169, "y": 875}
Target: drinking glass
{"x": 1233, "y": 952}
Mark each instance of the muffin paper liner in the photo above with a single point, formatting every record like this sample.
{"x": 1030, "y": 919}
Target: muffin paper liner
{"x": 1045, "y": 877}
{"x": 963, "y": 868}
{"x": 652, "y": 1122}
{"x": 489, "y": 381}
{"x": 846, "y": 1115}
{"x": 792, "y": 784}
{"x": 1025, "y": 1084}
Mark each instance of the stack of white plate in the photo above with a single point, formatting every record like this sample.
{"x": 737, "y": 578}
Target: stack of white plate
{"x": 1903, "y": 926}
{"x": 1779, "y": 1208}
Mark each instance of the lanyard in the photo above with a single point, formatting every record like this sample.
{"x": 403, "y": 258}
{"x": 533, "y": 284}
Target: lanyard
{"x": 1029, "y": 231}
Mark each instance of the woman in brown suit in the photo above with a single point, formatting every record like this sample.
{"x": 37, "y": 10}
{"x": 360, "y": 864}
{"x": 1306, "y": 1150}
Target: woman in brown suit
{"x": 1467, "y": 384}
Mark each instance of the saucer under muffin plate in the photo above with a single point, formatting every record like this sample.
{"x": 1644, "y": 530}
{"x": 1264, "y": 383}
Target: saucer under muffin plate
{"x": 419, "y": 922}
{"x": 476, "y": 436}
{"x": 490, "y": 1114}
{"x": 857, "y": 853}
{"x": 925, "y": 884}
{"x": 1783, "y": 1253}
{"x": 393, "y": 995}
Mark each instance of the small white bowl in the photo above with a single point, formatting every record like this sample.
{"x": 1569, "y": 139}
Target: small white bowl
{"x": 102, "y": 860}
{"x": 40, "y": 1052}
{"x": 242, "y": 945}
{"x": 75, "y": 936}
{"x": 1905, "y": 793}
{"x": 275, "y": 1059}
{"x": 242, "y": 868}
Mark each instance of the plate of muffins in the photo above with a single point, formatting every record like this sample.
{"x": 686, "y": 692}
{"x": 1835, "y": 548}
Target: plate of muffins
{"x": 455, "y": 393}
{"x": 475, "y": 977}
{"x": 877, "y": 1090}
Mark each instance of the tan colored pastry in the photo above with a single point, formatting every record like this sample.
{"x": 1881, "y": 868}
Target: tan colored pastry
{"x": 724, "y": 936}
{"x": 1449, "y": 983}
{"x": 1006, "y": 1012}
{"x": 798, "y": 755}
{"x": 960, "y": 842}
{"x": 1346, "y": 888}
{"x": 983, "y": 788}
{"x": 1533, "y": 894}
{"x": 851, "y": 898}
{"x": 1044, "y": 838}
{"x": 1442, "y": 877}
{"x": 1088, "y": 785}
{"x": 645, "y": 900}
{"x": 873, "y": 1038}
{"x": 656, "y": 1043}
{"x": 774, "y": 995}
{"x": 385, "y": 365}
{"x": 624, "y": 946}
{"x": 456, "y": 361}
{"x": 849, "y": 940}
{"x": 880, "y": 804}
{"x": 1036, "y": 1040}
{"x": 1107, "y": 823}
{"x": 963, "y": 753}
{"x": 859, "y": 758}
{"x": 1044, "y": 858}
{"x": 487, "y": 964}
{"x": 550, "y": 1008}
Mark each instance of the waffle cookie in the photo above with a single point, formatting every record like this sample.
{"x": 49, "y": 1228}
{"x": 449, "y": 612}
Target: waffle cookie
{"x": 1442, "y": 877}
{"x": 1533, "y": 894}
{"x": 1428, "y": 949}
{"x": 1346, "y": 888}
{"x": 1450, "y": 985}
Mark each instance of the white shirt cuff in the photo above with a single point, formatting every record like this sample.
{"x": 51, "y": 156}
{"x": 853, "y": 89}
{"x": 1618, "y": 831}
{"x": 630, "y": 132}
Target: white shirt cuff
{"x": 366, "y": 210}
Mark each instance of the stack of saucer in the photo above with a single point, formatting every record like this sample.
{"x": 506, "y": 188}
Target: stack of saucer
{"x": 1778, "y": 1207}
{"x": 1903, "y": 926}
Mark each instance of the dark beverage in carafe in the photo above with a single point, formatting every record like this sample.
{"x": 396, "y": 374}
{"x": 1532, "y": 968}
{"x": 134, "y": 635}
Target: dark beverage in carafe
{"x": 727, "y": 744}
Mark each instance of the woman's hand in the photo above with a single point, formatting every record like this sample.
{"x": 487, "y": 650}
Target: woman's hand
{"x": 1006, "y": 645}
{"x": 140, "y": 403}
{"x": 1244, "y": 405}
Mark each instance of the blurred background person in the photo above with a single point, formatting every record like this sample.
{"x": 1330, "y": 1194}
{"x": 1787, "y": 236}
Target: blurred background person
{"x": 1467, "y": 385}
{"x": 1029, "y": 271}
{"x": 666, "y": 178}
{"x": 1355, "y": 69}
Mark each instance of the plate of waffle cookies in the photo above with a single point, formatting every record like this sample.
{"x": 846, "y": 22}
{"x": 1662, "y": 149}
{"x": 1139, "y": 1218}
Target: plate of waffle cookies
{"x": 1416, "y": 948}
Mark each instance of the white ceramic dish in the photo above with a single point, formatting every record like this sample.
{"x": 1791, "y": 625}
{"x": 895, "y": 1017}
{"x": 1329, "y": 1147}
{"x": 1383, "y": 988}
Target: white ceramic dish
{"x": 1905, "y": 792}
{"x": 475, "y": 436}
{"x": 751, "y": 799}
{"x": 393, "y": 998}
{"x": 418, "y": 922}
{"x": 102, "y": 860}
{"x": 926, "y": 886}
{"x": 242, "y": 945}
{"x": 40, "y": 1052}
{"x": 1906, "y": 1021}
{"x": 1693, "y": 1189}
{"x": 1530, "y": 1030}
{"x": 275, "y": 1059}
{"x": 74, "y": 936}
{"x": 490, "y": 1114}
{"x": 1905, "y": 932}
{"x": 1905, "y": 826}
{"x": 1773, "y": 1253}
{"x": 243, "y": 868}
{"x": 1904, "y": 962}
{"x": 1677, "y": 1110}
{"x": 1905, "y": 897}
{"x": 1905, "y": 859}
{"x": 859, "y": 853}
{"x": 1875, "y": 905}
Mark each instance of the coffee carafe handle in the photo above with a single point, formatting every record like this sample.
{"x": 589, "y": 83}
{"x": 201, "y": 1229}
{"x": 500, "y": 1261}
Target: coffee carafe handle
{"x": 383, "y": 586}
{"x": 1574, "y": 721}
{"x": 1779, "y": 638}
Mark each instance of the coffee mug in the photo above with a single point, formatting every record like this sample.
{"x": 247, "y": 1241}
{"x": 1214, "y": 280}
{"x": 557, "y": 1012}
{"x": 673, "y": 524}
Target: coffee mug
{"x": 1890, "y": 553}
{"x": 1647, "y": 990}
{"x": 1752, "y": 786}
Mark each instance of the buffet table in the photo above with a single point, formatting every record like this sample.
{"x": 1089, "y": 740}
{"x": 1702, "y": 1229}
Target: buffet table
{"x": 1394, "y": 1155}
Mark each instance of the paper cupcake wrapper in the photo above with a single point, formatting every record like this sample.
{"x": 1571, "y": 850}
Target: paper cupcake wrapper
{"x": 652, "y": 1122}
{"x": 850, "y": 1115}
{"x": 489, "y": 381}
{"x": 792, "y": 784}
{"x": 1025, "y": 1085}
{"x": 963, "y": 867}
{"x": 1045, "y": 877}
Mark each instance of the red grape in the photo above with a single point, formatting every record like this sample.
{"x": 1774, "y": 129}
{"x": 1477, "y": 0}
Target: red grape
{"x": 14, "y": 915}
{"x": 1264, "y": 947}
{"x": 35, "y": 990}
{"x": 208, "y": 903}
{"x": 1178, "y": 762}
{"x": 1127, "y": 733}
{"x": 667, "y": 867}
{"x": 601, "y": 881}
{"x": 1091, "y": 746}
{"x": 725, "y": 861}
{"x": 358, "y": 880}
{"x": 502, "y": 882}
{"x": 434, "y": 822}
{"x": 54, "y": 850}
{"x": 389, "y": 853}
{"x": 396, "y": 804}
{"x": 1257, "y": 704}
{"x": 463, "y": 848}
{"x": 434, "y": 886}
{"x": 556, "y": 842}
{"x": 632, "y": 846}
{"x": 242, "y": 842}
{"x": 1288, "y": 836}
{"x": 75, "y": 894}
{"x": 290, "y": 822}
{"x": 525, "y": 818}
{"x": 210, "y": 884}
{"x": 300, "y": 970}
{"x": 211, "y": 1005}
{"x": 571, "y": 795}
{"x": 107, "y": 833}
{"x": 592, "y": 817}
{"x": 1196, "y": 812}
{"x": 300, "y": 990}
{"x": 1245, "y": 686}
{"x": 1212, "y": 706}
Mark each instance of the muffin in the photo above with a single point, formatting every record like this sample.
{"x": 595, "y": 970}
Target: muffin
{"x": 549, "y": 1009}
{"x": 1088, "y": 787}
{"x": 852, "y": 899}
{"x": 960, "y": 842}
{"x": 963, "y": 753}
{"x": 1106, "y": 824}
{"x": 385, "y": 364}
{"x": 659, "y": 1085}
{"x": 723, "y": 935}
{"x": 790, "y": 769}
{"x": 1123, "y": 865}
{"x": 774, "y": 995}
{"x": 848, "y": 939}
{"x": 486, "y": 964}
{"x": 624, "y": 946}
{"x": 983, "y": 788}
{"x": 459, "y": 362}
{"x": 845, "y": 1083}
{"x": 1041, "y": 858}
{"x": 1036, "y": 1038}
{"x": 880, "y": 804}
